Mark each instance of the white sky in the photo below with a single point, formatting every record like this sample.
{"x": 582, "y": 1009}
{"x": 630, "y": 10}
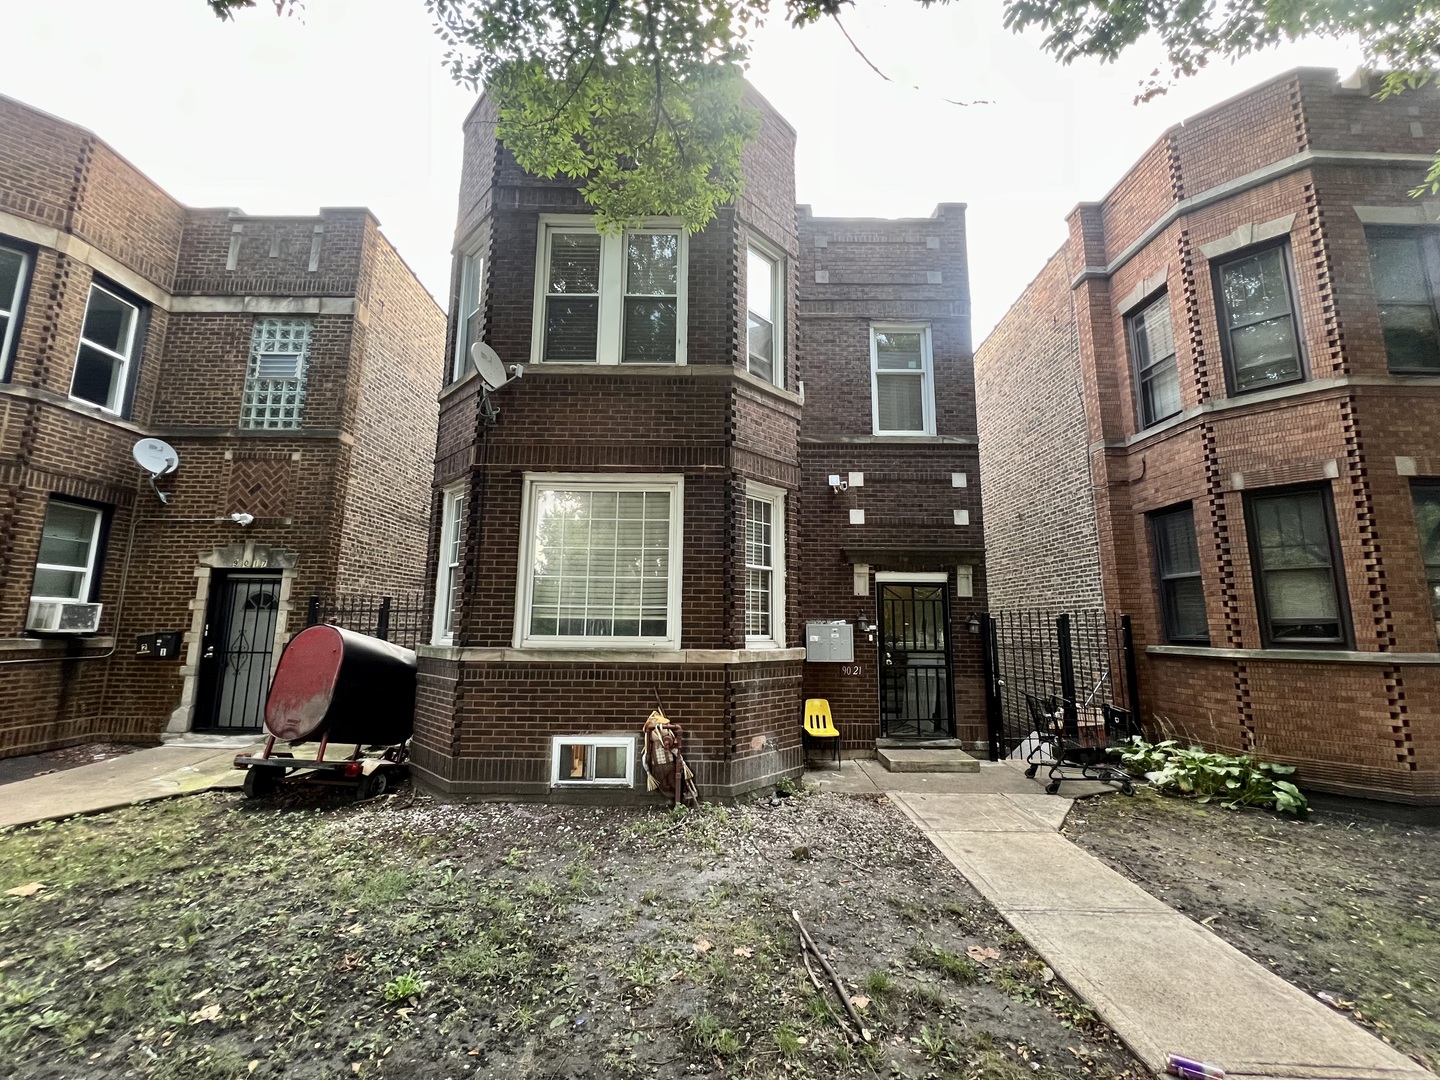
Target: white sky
{"x": 352, "y": 107}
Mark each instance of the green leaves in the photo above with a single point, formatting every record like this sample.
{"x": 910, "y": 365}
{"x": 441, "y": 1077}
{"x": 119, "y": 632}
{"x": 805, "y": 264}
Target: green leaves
{"x": 1234, "y": 782}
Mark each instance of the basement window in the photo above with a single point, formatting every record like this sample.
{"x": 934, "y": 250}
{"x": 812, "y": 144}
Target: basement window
{"x": 592, "y": 761}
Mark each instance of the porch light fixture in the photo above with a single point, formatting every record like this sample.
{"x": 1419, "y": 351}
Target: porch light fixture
{"x": 973, "y": 623}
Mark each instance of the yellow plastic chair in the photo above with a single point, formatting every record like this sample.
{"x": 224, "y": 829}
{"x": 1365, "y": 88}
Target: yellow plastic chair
{"x": 819, "y": 724}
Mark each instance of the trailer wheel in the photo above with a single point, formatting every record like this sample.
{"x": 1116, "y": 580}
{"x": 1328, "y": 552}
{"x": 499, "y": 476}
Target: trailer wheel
{"x": 261, "y": 780}
{"x": 371, "y": 786}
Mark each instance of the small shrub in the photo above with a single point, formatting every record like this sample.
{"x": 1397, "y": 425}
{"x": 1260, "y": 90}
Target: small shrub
{"x": 1233, "y": 782}
{"x": 404, "y": 986}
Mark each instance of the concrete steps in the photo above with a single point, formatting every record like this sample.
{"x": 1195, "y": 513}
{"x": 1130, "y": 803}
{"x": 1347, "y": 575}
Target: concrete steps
{"x": 926, "y": 760}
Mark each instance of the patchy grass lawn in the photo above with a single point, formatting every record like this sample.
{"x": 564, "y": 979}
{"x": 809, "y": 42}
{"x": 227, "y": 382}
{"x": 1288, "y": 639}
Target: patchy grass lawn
{"x": 1339, "y": 904}
{"x": 206, "y": 939}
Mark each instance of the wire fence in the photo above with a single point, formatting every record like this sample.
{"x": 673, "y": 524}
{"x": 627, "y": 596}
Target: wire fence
{"x": 402, "y": 618}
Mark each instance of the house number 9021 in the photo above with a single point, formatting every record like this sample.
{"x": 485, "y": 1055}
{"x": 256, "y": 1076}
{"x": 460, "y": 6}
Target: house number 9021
{"x": 851, "y": 669}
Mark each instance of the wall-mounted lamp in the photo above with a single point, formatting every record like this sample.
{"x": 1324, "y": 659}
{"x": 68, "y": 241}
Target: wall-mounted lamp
{"x": 973, "y": 623}
{"x": 838, "y": 483}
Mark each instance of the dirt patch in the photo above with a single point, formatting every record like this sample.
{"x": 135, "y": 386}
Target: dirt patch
{"x": 1339, "y": 903}
{"x": 205, "y": 938}
{"x": 71, "y": 757}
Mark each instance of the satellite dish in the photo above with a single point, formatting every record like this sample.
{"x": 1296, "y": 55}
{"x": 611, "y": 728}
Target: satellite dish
{"x": 491, "y": 368}
{"x": 156, "y": 456}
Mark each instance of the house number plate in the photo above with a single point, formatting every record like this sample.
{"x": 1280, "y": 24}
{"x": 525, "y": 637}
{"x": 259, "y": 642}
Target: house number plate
{"x": 852, "y": 669}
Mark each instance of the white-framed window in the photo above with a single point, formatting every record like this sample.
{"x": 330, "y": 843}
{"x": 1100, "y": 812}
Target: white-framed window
{"x": 447, "y": 578}
{"x": 107, "y": 343}
{"x": 592, "y": 760}
{"x": 902, "y": 379}
{"x": 609, "y": 299}
{"x": 69, "y": 541}
{"x": 764, "y": 565}
{"x": 765, "y": 314}
{"x": 14, "y": 272}
{"x": 467, "y": 332}
{"x": 600, "y": 561}
{"x": 274, "y": 397}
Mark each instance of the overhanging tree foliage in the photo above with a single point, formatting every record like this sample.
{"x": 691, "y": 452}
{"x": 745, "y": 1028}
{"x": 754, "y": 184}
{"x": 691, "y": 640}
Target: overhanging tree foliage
{"x": 641, "y": 100}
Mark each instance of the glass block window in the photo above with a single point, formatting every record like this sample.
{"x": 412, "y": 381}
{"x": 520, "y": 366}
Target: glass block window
{"x": 275, "y": 382}
{"x": 603, "y": 561}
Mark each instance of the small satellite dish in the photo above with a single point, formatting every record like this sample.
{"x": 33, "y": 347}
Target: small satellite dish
{"x": 156, "y": 456}
{"x": 491, "y": 368}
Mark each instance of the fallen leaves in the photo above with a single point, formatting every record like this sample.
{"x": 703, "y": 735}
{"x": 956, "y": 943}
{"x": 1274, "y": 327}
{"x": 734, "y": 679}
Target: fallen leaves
{"x": 703, "y": 946}
{"x": 209, "y": 1014}
{"x": 860, "y": 1001}
{"x": 983, "y": 954}
{"x": 30, "y": 888}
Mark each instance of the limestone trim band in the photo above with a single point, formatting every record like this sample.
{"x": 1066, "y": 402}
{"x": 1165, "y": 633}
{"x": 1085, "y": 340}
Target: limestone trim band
{"x": 706, "y": 657}
{"x": 1297, "y": 656}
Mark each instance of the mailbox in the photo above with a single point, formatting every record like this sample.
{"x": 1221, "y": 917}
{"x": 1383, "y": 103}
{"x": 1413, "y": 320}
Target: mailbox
{"x": 162, "y": 646}
{"x": 830, "y": 642}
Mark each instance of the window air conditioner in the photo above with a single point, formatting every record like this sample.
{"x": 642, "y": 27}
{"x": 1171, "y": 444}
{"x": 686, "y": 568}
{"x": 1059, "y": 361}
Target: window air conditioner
{"x": 63, "y": 617}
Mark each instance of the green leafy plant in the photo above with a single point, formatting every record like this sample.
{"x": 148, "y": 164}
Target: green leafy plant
{"x": 1233, "y": 782}
{"x": 405, "y": 986}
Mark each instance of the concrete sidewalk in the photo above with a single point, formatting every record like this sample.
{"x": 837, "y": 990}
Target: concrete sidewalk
{"x": 1165, "y": 984}
{"x": 176, "y": 768}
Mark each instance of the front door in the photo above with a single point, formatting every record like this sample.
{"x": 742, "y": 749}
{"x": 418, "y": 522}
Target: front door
{"x": 240, "y": 624}
{"x": 915, "y": 683}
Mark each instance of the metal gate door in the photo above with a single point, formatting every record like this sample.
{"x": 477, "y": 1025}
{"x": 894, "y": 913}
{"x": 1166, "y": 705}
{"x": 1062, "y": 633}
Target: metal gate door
{"x": 240, "y": 624}
{"x": 915, "y": 685}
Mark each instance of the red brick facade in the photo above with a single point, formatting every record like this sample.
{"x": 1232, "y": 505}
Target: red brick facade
{"x": 490, "y": 705}
{"x": 1300, "y": 165}
{"x": 340, "y": 503}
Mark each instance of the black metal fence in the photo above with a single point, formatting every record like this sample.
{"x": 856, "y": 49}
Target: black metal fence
{"x": 1078, "y": 660}
{"x": 402, "y": 618}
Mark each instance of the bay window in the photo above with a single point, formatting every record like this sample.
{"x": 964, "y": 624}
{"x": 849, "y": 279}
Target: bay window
{"x": 1405, "y": 267}
{"x": 765, "y": 329}
{"x": 1152, "y": 350}
{"x": 1259, "y": 329}
{"x": 14, "y": 270}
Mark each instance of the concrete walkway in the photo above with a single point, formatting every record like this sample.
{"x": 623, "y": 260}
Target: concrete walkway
{"x": 1164, "y": 983}
{"x": 180, "y": 767}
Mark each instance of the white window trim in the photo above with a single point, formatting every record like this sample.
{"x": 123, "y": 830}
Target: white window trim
{"x": 471, "y": 267}
{"x": 776, "y": 498}
{"x": 451, "y": 499}
{"x": 626, "y": 741}
{"x": 918, "y": 577}
{"x": 12, "y": 313}
{"x": 123, "y": 376}
{"x": 777, "y": 305}
{"x": 926, "y": 374}
{"x": 522, "y": 638}
{"x": 88, "y": 580}
{"x": 609, "y": 338}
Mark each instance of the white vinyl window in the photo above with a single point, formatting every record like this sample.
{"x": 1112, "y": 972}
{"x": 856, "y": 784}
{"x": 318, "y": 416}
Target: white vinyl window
{"x": 274, "y": 397}
{"x": 902, "y": 379}
{"x": 14, "y": 269}
{"x": 592, "y": 760}
{"x": 107, "y": 342}
{"x": 602, "y": 299}
{"x": 472, "y": 274}
{"x": 765, "y": 323}
{"x": 600, "y": 562}
{"x": 764, "y": 565}
{"x": 447, "y": 580}
{"x": 65, "y": 565}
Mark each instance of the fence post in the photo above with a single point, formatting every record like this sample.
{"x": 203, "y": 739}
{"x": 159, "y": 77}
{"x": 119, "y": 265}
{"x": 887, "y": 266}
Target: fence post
{"x": 1132, "y": 679}
{"x": 312, "y": 611}
{"x": 1067, "y": 676}
{"x": 994, "y": 715}
{"x": 382, "y": 621}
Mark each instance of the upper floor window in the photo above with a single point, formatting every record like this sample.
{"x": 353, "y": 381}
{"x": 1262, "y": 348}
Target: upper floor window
{"x": 1296, "y": 559}
{"x": 764, "y": 564}
{"x": 467, "y": 330}
{"x": 447, "y": 583}
{"x": 601, "y": 561}
{"x": 1426, "y": 495}
{"x": 1257, "y": 320}
{"x": 274, "y": 397}
{"x": 610, "y": 299}
{"x": 69, "y": 542}
{"x": 902, "y": 379}
{"x": 1405, "y": 267}
{"x": 107, "y": 345}
{"x": 1177, "y": 565}
{"x": 1152, "y": 347}
{"x": 14, "y": 269}
{"x": 765, "y": 329}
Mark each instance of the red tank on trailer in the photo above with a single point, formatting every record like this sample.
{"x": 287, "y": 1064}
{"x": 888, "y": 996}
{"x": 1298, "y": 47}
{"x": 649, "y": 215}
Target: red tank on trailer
{"x": 347, "y": 687}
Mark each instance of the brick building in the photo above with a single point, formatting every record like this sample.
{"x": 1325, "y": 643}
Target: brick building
{"x": 650, "y": 520}
{"x": 1216, "y": 409}
{"x": 291, "y": 362}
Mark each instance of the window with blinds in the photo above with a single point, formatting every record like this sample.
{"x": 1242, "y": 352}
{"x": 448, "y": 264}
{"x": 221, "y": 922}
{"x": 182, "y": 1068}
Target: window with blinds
{"x": 901, "y": 377}
{"x": 274, "y": 397}
{"x": 1152, "y": 349}
{"x": 1296, "y": 558}
{"x": 603, "y": 562}
{"x": 1177, "y": 565}
{"x": 764, "y": 564}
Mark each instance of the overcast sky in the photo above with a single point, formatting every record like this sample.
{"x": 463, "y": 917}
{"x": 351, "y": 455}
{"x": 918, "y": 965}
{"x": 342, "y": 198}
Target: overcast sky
{"x": 351, "y": 107}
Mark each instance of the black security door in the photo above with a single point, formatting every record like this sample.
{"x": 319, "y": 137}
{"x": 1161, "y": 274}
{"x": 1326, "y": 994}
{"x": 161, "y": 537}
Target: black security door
{"x": 915, "y": 683}
{"x": 240, "y": 624}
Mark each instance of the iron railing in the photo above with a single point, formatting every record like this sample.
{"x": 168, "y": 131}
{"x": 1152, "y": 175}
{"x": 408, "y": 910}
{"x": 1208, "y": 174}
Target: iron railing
{"x": 402, "y": 618}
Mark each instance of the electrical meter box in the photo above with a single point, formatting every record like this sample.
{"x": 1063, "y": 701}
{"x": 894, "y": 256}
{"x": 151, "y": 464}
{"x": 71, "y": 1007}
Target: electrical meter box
{"x": 830, "y": 643}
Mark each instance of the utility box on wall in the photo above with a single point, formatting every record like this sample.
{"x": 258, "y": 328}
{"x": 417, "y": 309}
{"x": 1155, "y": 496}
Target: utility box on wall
{"x": 830, "y": 643}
